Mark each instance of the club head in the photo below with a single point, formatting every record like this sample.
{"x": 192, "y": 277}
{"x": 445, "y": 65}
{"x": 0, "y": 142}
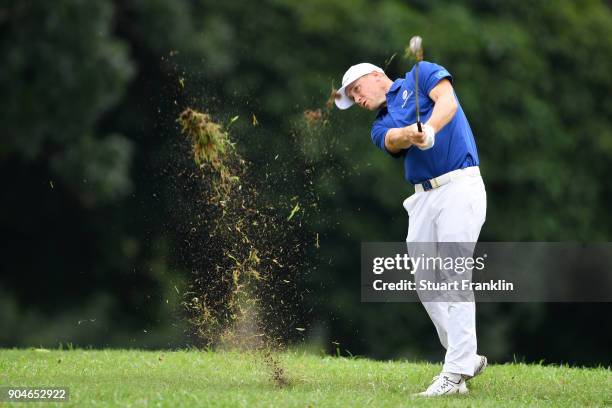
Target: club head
{"x": 416, "y": 47}
{"x": 415, "y": 44}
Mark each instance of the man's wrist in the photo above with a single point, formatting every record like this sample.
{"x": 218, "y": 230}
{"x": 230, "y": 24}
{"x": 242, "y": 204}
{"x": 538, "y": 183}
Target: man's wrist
{"x": 402, "y": 140}
{"x": 395, "y": 140}
{"x": 430, "y": 137}
{"x": 432, "y": 125}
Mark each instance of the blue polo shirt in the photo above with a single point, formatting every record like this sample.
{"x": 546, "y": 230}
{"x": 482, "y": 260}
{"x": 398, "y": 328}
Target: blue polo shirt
{"x": 455, "y": 147}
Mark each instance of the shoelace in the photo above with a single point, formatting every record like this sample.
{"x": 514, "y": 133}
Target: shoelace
{"x": 436, "y": 377}
{"x": 445, "y": 384}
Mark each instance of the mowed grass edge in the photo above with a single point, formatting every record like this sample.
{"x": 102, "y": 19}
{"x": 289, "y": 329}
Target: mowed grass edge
{"x": 205, "y": 378}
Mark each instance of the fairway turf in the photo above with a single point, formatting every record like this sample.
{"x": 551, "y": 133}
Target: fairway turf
{"x": 134, "y": 378}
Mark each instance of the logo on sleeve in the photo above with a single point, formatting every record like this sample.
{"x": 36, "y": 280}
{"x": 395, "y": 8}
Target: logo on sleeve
{"x": 442, "y": 73}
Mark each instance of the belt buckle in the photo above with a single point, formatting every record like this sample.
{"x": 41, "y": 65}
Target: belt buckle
{"x": 426, "y": 185}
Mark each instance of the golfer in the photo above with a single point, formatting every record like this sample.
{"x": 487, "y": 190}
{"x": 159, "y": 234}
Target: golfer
{"x": 449, "y": 202}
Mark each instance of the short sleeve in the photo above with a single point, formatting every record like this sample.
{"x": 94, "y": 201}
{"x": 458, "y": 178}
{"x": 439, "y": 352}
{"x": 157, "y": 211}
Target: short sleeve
{"x": 379, "y": 131}
{"x": 430, "y": 74}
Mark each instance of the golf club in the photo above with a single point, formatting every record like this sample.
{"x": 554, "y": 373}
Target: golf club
{"x": 415, "y": 47}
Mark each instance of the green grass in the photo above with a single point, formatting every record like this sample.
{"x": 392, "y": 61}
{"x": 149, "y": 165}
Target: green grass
{"x": 133, "y": 378}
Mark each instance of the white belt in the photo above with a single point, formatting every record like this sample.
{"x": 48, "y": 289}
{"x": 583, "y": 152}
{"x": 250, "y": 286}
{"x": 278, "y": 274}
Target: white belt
{"x": 446, "y": 178}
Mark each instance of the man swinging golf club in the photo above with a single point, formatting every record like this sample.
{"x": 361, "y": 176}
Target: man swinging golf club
{"x": 449, "y": 203}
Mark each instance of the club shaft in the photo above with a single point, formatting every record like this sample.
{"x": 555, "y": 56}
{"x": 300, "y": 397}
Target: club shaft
{"x": 416, "y": 96}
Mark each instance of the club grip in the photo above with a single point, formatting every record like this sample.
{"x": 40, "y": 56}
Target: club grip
{"x": 419, "y": 126}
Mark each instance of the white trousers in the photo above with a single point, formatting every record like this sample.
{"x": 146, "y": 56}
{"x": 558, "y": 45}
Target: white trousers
{"x": 454, "y": 212}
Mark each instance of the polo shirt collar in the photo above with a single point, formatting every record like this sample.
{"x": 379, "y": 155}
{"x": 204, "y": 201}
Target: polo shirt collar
{"x": 395, "y": 85}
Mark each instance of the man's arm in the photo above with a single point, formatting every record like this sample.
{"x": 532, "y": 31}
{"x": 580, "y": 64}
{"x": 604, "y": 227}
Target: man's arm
{"x": 398, "y": 139}
{"x": 445, "y": 105}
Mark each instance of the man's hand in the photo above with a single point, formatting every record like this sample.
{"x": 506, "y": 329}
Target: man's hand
{"x": 419, "y": 139}
{"x": 398, "y": 139}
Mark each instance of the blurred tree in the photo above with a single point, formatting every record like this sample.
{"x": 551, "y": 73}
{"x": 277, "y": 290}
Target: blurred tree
{"x": 62, "y": 70}
{"x": 77, "y": 268}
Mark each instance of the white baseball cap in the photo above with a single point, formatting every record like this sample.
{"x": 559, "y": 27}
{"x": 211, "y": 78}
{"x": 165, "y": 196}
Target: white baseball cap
{"x": 351, "y": 75}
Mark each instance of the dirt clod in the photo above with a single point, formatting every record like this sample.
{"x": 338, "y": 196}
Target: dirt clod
{"x": 246, "y": 246}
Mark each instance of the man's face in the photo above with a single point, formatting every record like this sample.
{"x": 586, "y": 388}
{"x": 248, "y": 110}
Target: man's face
{"x": 368, "y": 91}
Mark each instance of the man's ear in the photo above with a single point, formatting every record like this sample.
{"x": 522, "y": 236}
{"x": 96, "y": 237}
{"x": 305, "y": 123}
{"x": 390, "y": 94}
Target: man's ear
{"x": 378, "y": 75}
